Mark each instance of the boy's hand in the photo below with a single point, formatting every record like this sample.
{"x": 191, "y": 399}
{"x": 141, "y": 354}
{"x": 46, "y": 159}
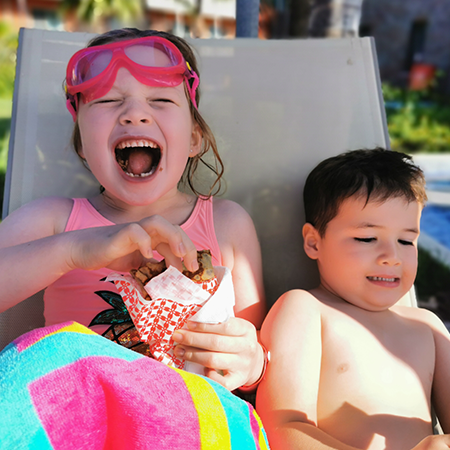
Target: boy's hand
{"x": 126, "y": 246}
{"x": 231, "y": 347}
{"x": 437, "y": 442}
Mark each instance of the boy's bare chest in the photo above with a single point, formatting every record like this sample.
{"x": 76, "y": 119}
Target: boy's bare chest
{"x": 375, "y": 370}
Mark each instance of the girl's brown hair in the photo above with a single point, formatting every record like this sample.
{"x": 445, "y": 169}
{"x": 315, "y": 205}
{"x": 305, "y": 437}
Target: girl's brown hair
{"x": 208, "y": 141}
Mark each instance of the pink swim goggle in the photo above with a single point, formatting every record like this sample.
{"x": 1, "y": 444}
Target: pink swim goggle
{"x": 152, "y": 60}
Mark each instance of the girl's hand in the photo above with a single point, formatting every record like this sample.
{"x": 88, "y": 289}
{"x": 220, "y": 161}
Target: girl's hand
{"x": 437, "y": 442}
{"x": 231, "y": 347}
{"x": 126, "y": 246}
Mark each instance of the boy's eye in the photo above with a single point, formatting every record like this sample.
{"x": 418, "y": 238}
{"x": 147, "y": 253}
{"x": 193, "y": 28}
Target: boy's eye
{"x": 365, "y": 239}
{"x": 403, "y": 242}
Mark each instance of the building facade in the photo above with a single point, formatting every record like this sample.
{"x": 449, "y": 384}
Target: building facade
{"x": 407, "y": 33}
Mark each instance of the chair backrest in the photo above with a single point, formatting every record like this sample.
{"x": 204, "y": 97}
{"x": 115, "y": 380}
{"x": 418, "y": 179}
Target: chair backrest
{"x": 276, "y": 107}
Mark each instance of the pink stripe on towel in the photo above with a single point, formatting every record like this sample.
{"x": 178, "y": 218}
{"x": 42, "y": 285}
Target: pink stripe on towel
{"x": 100, "y": 402}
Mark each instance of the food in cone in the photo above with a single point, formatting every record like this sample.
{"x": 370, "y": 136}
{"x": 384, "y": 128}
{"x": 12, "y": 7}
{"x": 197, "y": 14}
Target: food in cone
{"x": 161, "y": 299}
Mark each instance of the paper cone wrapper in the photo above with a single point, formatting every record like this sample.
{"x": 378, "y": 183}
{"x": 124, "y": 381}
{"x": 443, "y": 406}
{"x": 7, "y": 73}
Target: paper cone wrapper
{"x": 175, "y": 299}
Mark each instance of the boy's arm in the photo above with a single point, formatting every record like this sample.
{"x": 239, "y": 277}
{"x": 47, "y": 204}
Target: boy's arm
{"x": 287, "y": 397}
{"x": 441, "y": 390}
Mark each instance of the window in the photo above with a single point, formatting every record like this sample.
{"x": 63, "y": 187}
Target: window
{"x": 416, "y": 45}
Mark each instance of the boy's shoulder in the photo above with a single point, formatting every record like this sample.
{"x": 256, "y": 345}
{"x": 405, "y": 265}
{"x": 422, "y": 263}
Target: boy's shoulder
{"x": 423, "y": 315}
{"x": 294, "y": 306}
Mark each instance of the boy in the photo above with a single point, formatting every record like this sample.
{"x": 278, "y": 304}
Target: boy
{"x": 350, "y": 368}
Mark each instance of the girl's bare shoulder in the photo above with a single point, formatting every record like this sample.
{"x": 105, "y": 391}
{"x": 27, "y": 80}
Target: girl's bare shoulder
{"x": 230, "y": 211}
{"x": 233, "y": 223}
{"x": 39, "y": 218}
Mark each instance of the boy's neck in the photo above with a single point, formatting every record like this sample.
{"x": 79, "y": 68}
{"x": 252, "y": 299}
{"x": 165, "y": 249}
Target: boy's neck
{"x": 326, "y": 295}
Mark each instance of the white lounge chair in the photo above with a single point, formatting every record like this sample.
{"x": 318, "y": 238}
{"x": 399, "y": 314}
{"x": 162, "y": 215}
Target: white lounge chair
{"x": 277, "y": 108}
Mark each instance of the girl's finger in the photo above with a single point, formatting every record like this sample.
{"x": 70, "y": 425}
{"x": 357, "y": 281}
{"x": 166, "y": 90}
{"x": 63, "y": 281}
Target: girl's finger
{"x": 234, "y": 326}
{"x": 211, "y": 342}
{"x": 212, "y": 360}
{"x": 171, "y": 260}
{"x": 163, "y": 232}
{"x": 230, "y": 381}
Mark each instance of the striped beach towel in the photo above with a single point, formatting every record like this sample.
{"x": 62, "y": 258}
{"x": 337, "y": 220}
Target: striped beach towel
{"x": 66, "y": 387}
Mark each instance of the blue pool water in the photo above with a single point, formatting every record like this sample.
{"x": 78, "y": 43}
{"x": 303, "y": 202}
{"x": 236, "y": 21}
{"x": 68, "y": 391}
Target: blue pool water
{"x": 436, "y": 223}
{"x": 439, "y": 185}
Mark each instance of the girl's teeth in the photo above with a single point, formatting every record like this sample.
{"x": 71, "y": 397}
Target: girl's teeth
{"x": 136, "y": 143}
{"x": 142, "y": 175}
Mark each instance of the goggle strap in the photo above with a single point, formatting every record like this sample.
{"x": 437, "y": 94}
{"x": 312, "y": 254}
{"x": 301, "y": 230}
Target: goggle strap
{"x": 192, "y": 90}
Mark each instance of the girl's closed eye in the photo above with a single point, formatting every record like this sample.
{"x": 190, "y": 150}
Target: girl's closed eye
{"x": 162, "y": 100}
{"x": 106, "y": 101}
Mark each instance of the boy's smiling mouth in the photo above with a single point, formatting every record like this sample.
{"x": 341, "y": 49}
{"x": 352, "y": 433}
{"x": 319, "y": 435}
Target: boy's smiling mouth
{"x": 138, "y": 157}
{"x": 383, "y": 279}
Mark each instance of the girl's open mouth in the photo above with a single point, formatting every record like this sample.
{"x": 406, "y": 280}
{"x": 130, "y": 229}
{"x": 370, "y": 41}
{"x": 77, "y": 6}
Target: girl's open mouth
{"x": 138, "y": 157}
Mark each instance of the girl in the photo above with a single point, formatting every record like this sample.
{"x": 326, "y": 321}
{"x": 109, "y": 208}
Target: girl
{"x": 134, "y": 95}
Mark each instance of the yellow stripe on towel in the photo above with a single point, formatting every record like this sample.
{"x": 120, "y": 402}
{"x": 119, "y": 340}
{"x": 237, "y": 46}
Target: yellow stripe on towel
{"x": 214, "y": 432}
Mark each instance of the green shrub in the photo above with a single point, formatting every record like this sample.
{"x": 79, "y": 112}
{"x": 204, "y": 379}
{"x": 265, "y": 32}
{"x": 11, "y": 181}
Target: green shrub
{"x": 8, "y": 47}
{"x": 417, "y": 121}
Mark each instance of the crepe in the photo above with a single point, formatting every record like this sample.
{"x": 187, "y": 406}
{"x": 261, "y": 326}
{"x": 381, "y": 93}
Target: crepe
{"x": 152, "y": 269}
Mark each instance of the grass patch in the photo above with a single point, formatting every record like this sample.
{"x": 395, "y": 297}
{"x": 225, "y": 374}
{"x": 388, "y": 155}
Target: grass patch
{"x": 5, "y": 125}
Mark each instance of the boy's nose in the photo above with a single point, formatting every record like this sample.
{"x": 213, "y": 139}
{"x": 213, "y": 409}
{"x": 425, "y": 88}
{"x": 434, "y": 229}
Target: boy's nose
{"x": 389, "y": 255}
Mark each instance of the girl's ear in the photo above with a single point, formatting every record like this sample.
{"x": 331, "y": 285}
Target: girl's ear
{"x": 311, "y": 240}
{"x": 196, "y": 140}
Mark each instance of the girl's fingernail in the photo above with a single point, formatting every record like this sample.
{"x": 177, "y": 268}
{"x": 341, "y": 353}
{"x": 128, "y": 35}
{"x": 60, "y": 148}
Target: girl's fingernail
{"x": 191, "y": 324}
{"x": 179, "y": 351}
{"x": 177, "y": 336}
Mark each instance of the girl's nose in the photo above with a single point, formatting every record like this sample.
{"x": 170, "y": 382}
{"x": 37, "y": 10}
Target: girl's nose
{"x": 136, "y": 113}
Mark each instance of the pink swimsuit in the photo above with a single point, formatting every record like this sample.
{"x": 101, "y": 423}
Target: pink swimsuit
{"x": 81, "y": 296}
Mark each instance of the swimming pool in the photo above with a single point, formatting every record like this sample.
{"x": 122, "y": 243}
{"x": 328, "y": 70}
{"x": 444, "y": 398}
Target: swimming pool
{"x": 436, "y": 223}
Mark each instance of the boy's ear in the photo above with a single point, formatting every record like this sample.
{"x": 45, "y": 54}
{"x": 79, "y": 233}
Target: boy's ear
{"x": 311, "y": 239}
{"x": 196, "y": 140}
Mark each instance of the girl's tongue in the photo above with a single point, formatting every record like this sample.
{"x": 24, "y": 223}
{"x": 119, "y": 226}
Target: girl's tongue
{"x": 138, "y": 158}
{"x": 140, "y": 161}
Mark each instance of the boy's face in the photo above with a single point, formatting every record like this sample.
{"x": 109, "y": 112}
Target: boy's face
{"x": 368, "y": 255}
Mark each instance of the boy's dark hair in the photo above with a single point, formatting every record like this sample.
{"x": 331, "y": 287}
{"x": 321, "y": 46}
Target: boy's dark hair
{"x": 209, "y": 141}
{"x": 375, "y": 175}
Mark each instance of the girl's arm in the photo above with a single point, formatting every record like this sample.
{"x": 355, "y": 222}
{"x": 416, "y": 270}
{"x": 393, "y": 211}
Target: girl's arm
{"x": 232, "y": 347}
{"x": 31, "y": 256}
{"x": 241, "y": 252}
{"x": 34, "y": 251}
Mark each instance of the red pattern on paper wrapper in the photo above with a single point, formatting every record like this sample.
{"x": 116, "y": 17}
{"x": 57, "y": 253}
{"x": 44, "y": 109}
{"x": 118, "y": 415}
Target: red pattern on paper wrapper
{"x": 157, "y": 319}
